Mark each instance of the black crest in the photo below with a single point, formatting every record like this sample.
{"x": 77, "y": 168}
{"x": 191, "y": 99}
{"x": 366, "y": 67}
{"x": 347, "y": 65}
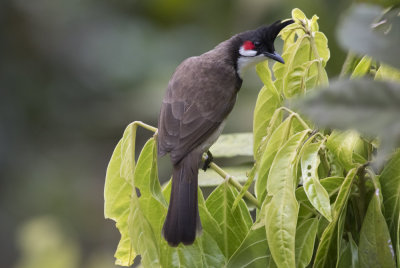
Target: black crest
{"x": 270, "y": 32}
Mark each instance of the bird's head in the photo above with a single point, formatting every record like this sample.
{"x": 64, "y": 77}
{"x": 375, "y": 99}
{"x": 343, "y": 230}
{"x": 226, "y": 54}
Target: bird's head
{"x": 258, "y": 45}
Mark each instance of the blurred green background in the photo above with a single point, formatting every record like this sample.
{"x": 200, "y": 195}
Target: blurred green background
{"x": 73, "y": 74}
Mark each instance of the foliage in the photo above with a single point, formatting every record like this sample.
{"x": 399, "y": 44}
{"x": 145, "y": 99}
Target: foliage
{"x": 318, "y": 202}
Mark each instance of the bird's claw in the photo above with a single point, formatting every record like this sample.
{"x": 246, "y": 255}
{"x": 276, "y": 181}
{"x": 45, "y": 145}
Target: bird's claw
{"x": 207, "y": 162}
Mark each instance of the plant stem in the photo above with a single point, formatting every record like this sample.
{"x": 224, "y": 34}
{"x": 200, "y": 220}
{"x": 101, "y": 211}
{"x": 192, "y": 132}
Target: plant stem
{"x": 234, "y": 183}
{"x": 143, "y": 125}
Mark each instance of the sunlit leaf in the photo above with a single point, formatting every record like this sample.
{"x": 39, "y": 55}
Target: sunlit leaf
{"x": 146, "y": 172}
{"x": 142, "y": 235}
{"x": 128, "y": 142}
{"x": 375, "y": 248}
{"x": 342, "y": 144}
{"x": 305, "y": 239}
{"x": 330, "y": 184}
{"x": 117, "y": 192}
{"x": 276, "y": 140}
{"x": 281, "y": 212}
{"x": 268, "y": 101}
{"x": 280, "y": 224}
{"x": 316, "y": 193}
{"x": 305, "y": 57}
{"x": 328, "y": 236}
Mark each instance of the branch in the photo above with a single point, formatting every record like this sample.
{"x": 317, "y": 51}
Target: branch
{"x": 213, "y": 166}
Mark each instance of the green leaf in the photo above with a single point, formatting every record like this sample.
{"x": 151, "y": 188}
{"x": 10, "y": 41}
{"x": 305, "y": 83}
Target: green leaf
{"x": 117, "y": 192}
{"x": 278, "y": 137}
{"x": 342, "y": 144}
{"x": 328, "y": 236}
{"x": 362, "y": 67}
{"x": 316, "y": 193}
{"x": 331, "y": 185}
{"x": 253, "y": 252}
{"x": 146, "y": 172}
{"x": 205, "y": 250}
{"x": 281, "y": 212}
{"x": 230, "y": 145}
{"x": 362, "y": 31}
{"x": 305, "y": 56}
{"x": 141, "y": 234}
{"x": 234, "y": 223}
{"x": 268, "y": 101}
{"x": 305, "y": 239}
{"x": 284, "y": 165}
{"x": 390, "y": 183}
{"x": 280, "y": 224}
{"x": 375, "y": 248}
{"x": 128, "y": 141}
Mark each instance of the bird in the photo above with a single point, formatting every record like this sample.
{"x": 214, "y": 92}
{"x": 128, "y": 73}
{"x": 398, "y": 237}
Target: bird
{"x": 199, "y": 96}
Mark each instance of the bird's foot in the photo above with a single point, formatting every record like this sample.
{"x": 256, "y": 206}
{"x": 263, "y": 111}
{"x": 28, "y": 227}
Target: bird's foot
{"x": 207, "y": 162}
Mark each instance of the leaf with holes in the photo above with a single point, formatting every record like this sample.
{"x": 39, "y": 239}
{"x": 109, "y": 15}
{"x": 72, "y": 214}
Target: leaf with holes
{"x": 316, "y": 193}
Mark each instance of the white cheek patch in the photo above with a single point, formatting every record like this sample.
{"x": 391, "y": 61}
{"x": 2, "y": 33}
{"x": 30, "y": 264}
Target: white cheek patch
{"x": 244, "y": 63}
{"x": 247, "y": 53}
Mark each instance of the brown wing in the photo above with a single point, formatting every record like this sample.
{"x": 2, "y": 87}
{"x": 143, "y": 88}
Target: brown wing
{"x": 200, "y": 95}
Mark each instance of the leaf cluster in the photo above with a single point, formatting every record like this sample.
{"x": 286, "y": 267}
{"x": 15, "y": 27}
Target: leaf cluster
{"x": 316, "y": 202}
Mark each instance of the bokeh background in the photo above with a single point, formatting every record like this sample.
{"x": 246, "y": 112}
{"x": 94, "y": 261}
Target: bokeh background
{"x": 73, "y": 74}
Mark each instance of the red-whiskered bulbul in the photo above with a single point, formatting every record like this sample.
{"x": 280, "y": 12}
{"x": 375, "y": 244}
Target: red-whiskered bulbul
{"x": 199, "y": 97}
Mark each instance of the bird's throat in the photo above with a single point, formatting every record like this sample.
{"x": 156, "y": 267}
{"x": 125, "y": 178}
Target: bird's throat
{"x": 244, "y": 63}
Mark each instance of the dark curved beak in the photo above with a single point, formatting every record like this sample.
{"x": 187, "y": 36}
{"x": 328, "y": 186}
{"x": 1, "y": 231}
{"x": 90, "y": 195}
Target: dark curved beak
{"x": 274, "y": 56}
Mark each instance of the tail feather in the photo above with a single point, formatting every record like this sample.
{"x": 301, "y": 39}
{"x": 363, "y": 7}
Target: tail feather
{"x": 183, "y": 220}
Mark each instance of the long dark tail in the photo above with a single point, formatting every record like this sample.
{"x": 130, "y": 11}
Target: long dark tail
{"x": 183, "y": 220}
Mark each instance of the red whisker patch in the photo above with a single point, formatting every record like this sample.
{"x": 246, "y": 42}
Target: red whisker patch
{"x": 248, "y": 45}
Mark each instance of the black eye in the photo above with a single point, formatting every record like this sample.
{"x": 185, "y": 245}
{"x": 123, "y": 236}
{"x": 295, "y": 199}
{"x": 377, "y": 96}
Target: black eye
{"x": 257, "y": 43}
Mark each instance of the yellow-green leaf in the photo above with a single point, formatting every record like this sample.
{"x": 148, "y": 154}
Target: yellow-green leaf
{"x": 317, "y": 195}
